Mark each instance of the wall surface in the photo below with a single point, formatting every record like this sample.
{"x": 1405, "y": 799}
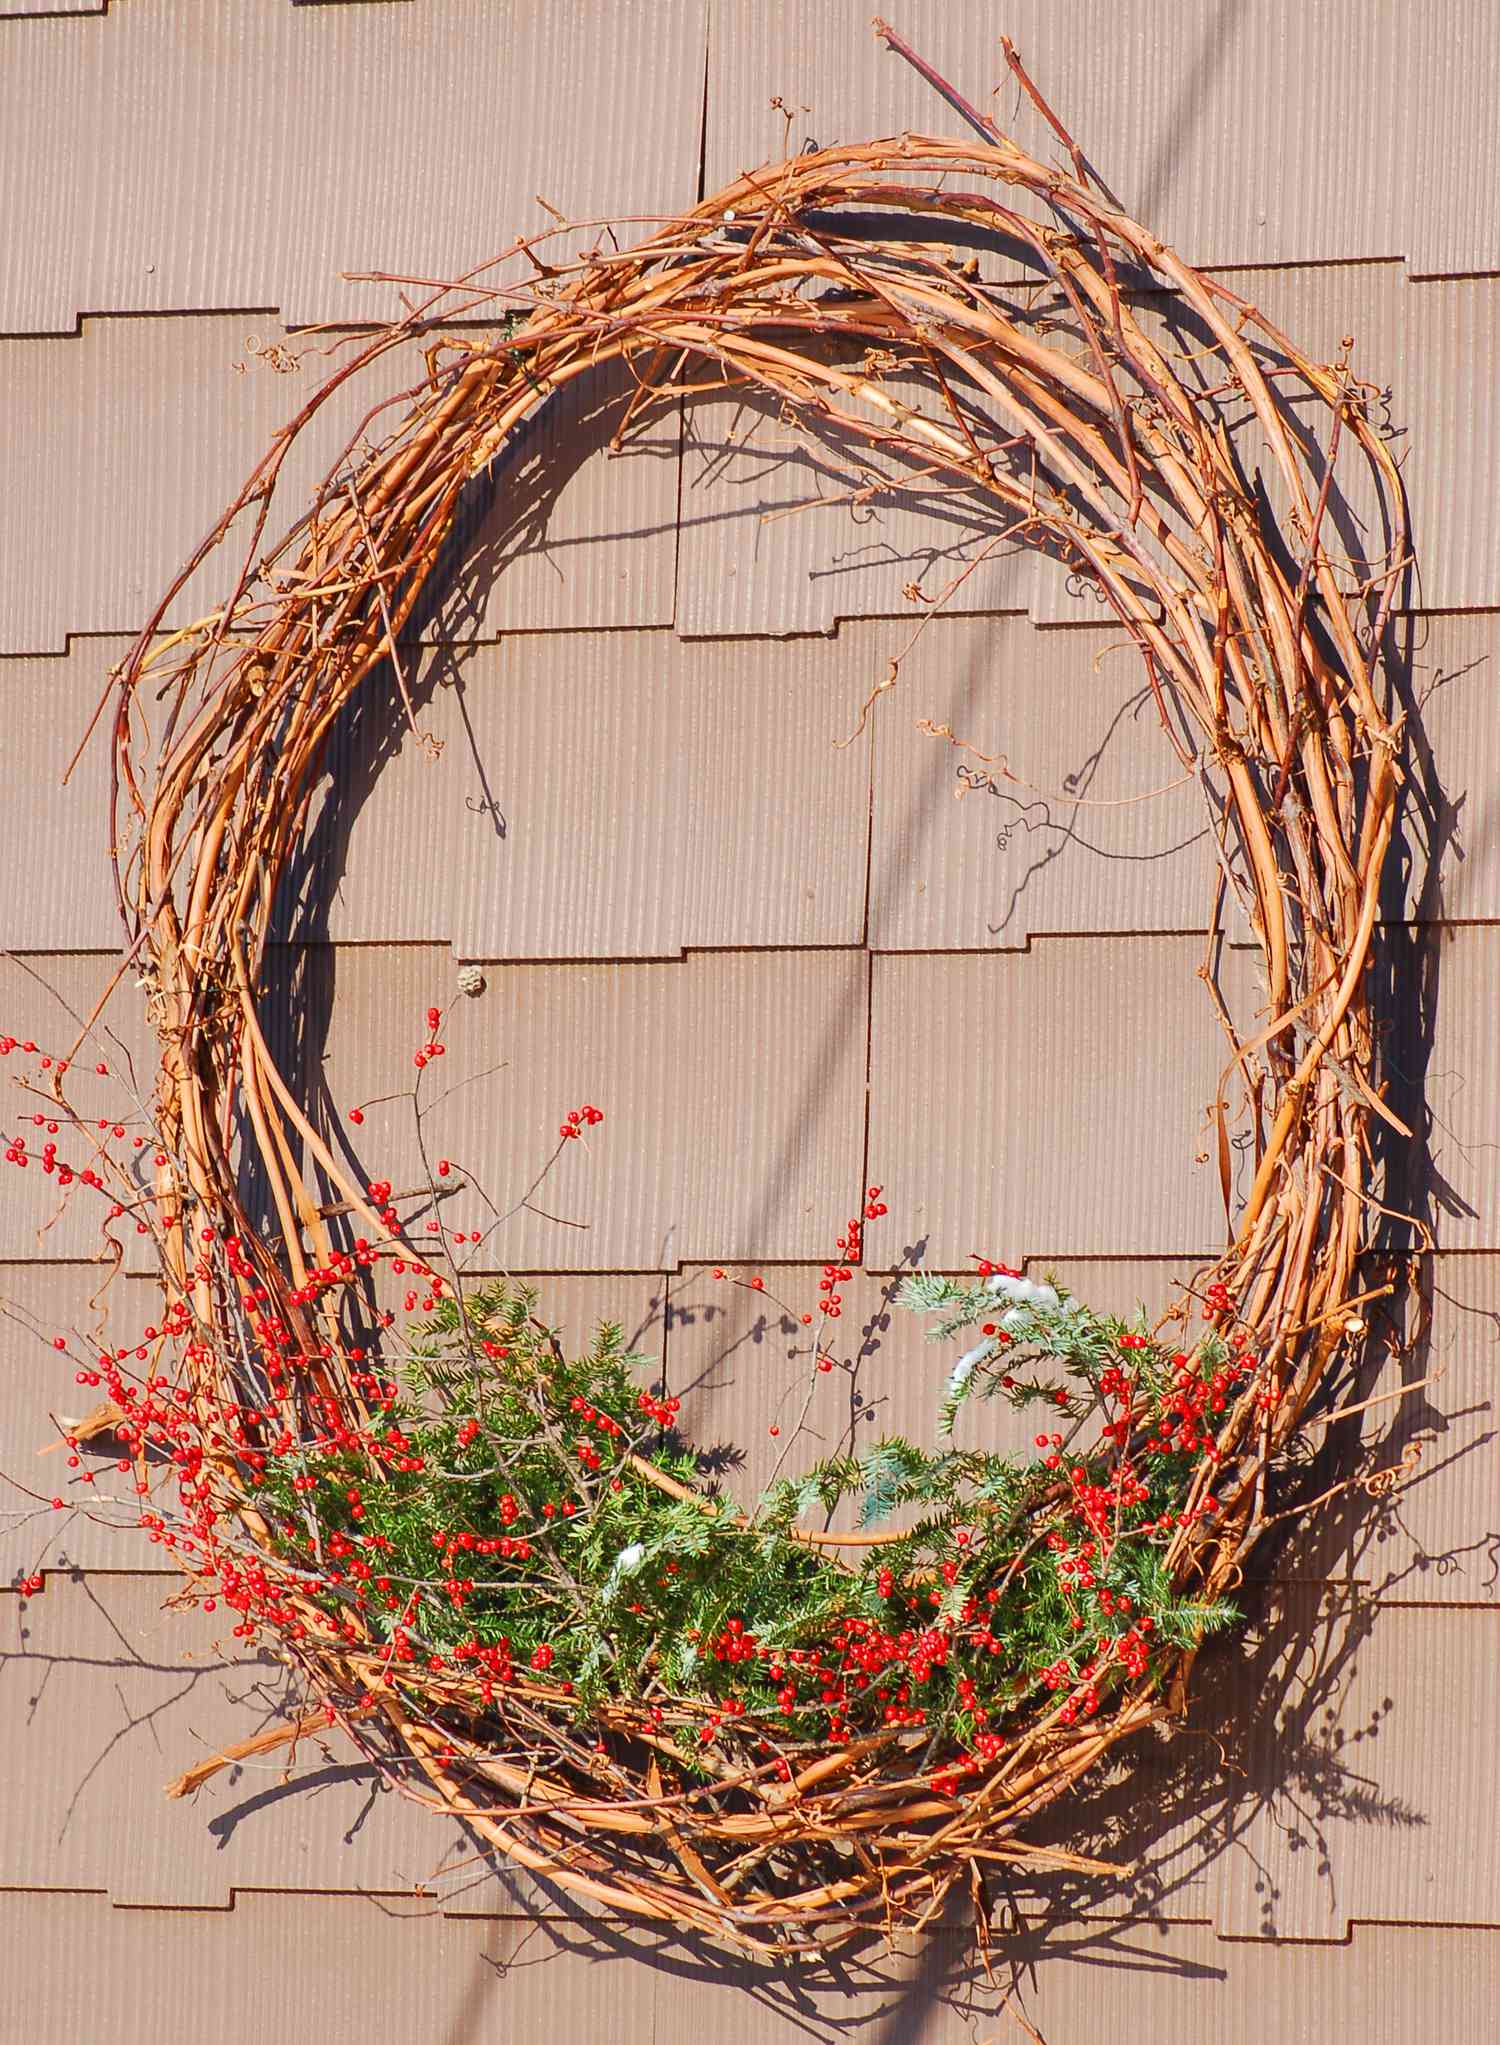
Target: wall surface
{"x": 785, "y": 965}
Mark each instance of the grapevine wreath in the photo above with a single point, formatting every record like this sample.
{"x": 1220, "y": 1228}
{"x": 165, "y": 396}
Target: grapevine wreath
{"x": 497, "y": 1566}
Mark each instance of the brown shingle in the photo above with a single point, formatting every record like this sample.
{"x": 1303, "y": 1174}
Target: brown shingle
{"x": 607, "y": 795}
{"x": 672, "y": 800}
{"x": 732, "y": 1085}
{"x": 250, "y": 157}
{"x": 168, "y": 417}
{"x": 354, "y": 1966}
{"x": 1080, "y": 818}
{"x": 57, "y": 834}
{"x": 749, "y": 564}
{"x": 1051, "y": 1102}
{"x": 1195, "y": 114}
{"x": 40, "y": 1397}
{"x": 1367, "y": 1767}
{"x": 106, "y": 1696}
{"x": 46, "y": 999}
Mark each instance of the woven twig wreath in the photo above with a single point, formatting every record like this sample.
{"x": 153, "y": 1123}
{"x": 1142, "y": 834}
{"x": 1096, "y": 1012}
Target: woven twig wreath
{"x": 1062, "y": 408}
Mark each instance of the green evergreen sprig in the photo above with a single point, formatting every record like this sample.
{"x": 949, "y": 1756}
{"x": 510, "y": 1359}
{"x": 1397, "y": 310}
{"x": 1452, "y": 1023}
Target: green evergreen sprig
{"x": 514, "y": 1517}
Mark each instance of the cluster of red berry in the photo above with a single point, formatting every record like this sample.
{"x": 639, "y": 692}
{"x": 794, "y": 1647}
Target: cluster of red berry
{"x": 663, "y": 1411}
{"x": 425, "y": 1053}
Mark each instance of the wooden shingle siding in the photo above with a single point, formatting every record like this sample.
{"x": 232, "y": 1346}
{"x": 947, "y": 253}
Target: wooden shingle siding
{"x": 786, "y": 959}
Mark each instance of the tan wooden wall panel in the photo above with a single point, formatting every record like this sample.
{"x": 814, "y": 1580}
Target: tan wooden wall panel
{"x": 759, "y": 1404}
{"x": 750, "y": 563}
{"x": 1063, "y": 808}
{"x": 1458, "y": 1104}
{"x": 606, "y": 796}
{"x": 549, "y": 825}
{"x": 701, "y": 792}
{"x": 1326, "y": 1794}
{"x": 539, "y": 1042}
{"x": 575, "y": 1304}
{"x": 1066, "y": 1091}
{"x": 1418, "y": 341}
{"x": 1182, "y": 106}
{"x": 54, "y": 834}
{"x": 279, "y": 147}
{"x": 1370, "y": 1770}
{"x": 1439, "y": 1540}
{"x": 741, "y": 1359}
{"x": 1372, "y": 306}
{"x": 105, "y": 1697}
{"x": 572, "y": 535}
{"x": 777, "y": 539}
{"x": 1144, "y": 1978}
{"x": 138, "y": 402}
{"x": 1427, "y": 1530}
{"x": 168, "y": 417}
{"x": 45, "y": 999}
{"x": 778, "y": 806}
{"x": 1448, "y": 861}
{"x": 40, "y": 1395}
{"x": 773, "y": 1049}
{"x": 1084, "y": 1138}
{"x": 1335, "y": 1754}
{"x": 419, "y": 1975}
{"x": 732, "y": 1085}
{"x": 342, "y": 1968}
{"x": 742, "y": 1362}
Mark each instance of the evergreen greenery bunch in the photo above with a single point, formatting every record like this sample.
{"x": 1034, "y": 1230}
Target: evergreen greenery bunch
{"x": 516, "y": 1520}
